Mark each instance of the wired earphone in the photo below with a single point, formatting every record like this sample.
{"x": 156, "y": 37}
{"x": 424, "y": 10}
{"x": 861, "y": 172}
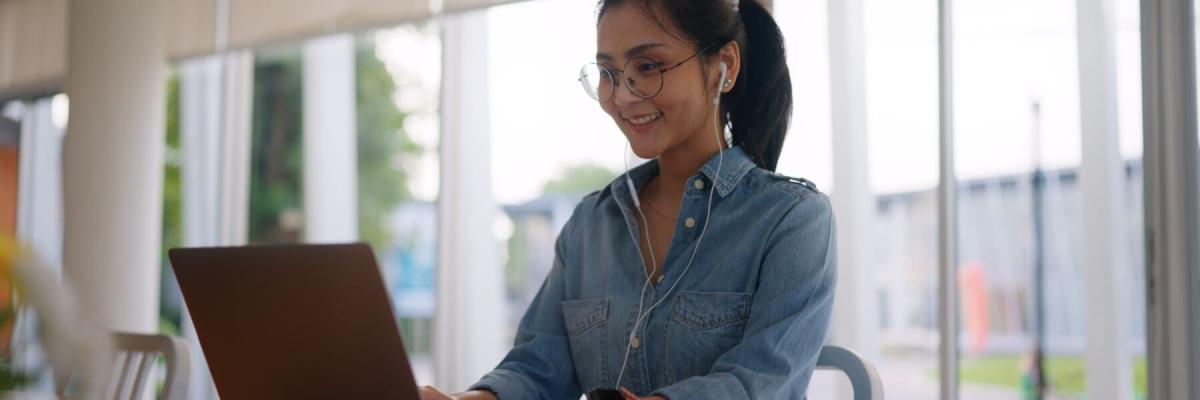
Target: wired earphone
{"x": 637, "y": 324}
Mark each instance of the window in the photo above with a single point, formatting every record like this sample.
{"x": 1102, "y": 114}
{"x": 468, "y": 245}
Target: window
{"x": 578, "y": 147}
{"x": 395, "y": 80}
{"x": 1023, "y": 214}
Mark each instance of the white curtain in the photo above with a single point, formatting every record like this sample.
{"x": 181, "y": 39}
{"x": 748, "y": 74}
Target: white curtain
{"x": 215, "y": 105}
{"x": 39, "y": 212}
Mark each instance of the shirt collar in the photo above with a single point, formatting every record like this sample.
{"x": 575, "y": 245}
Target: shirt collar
{"x": 735, "y": 166}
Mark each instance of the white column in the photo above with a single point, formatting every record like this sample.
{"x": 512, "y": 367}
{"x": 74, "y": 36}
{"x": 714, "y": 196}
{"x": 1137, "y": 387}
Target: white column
{"x": 214, "y": 101}
{"x": 470, "y": 291}
{"x": 947, "y": 210}
{"x": 113, "y": 160}
{"x": 330, "y": 141}
{"x": 854, "y": 311}
{"x": 1102, "y": 176}
{"x": 1172, "y": 193}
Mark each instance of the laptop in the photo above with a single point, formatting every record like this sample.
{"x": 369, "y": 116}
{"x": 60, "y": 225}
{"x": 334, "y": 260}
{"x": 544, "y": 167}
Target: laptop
{"x": 295, "y": 322}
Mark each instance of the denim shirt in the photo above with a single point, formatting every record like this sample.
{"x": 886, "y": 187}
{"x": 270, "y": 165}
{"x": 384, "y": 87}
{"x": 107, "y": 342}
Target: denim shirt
{"x": 746, "y": 321}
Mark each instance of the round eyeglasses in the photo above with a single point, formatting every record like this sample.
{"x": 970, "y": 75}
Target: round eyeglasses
{"x": 643, "y": 77}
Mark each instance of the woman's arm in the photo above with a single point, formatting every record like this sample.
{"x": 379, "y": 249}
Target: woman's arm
{"x": 789, "y": 316}
{"x": 431, "y": 393}
{"x": 475, "y": 395}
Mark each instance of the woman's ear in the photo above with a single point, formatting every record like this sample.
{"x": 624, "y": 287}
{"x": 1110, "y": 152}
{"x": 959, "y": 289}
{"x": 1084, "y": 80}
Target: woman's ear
{"x": 731, "y": 55}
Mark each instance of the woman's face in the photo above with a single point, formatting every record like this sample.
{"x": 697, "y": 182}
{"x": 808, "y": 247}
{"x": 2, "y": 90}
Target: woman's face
{"x": 681, "y": 110}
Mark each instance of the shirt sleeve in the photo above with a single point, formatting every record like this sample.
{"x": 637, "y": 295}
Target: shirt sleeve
{"x": 539, "y": 365}
{"x": 789, "y": 315}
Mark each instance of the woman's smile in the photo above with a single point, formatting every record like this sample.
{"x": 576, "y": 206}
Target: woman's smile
{"x": 642, "y": 123}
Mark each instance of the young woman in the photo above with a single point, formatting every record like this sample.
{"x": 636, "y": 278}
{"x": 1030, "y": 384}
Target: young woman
{"x": 701, "y": 274}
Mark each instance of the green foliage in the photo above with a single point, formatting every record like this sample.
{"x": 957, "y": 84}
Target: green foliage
{"x": 580, "y": 179}
{"x": 276, "y": 174}
{"x": 1065, "y": 373}
{"x": 10, "y": 377}
{"x": 517, "y": 261}
{"x": 276, "y": 153}
{"x": 382, "y": 184}
{"x": 277, "y": 160}
{"x": 172, "y": 206}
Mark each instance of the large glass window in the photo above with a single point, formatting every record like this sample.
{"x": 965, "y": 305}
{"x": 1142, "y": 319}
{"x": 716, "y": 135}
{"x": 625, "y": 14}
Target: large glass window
{"x": 396, "y": 117}
{"x": 399, "y": 84}
{"x": 1017, "y": 157}
{"x": 902, "y": 143}
{"x": 395, "y": 84}
{"x": 542, "y": 166}
{"x": 807, "y": 151}
{"x": 1021, "y": 240}
{"x": 1021, "y": 277}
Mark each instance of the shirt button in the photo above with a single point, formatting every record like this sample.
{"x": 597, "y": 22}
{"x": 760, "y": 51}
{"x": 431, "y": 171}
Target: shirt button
{"x": 690, "y": 222}
{"x": 635, "y": 343}
{"x": 658, "y": 280}
{"x": 699, "y": 184}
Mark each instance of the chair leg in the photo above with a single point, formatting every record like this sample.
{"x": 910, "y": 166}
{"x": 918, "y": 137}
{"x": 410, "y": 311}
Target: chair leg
{"x": 119, "y": 386}
{"x": 143, "y": 372}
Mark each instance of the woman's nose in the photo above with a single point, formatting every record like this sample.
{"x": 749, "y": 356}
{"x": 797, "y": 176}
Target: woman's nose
{"x": 624, "y": 94}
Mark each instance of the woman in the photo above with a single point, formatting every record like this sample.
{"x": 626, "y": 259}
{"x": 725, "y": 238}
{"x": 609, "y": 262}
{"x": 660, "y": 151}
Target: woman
{"x": 722, "y": 289}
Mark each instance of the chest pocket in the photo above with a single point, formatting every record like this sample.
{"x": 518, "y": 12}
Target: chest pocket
{"x": 703, "y": 326}
{"x": 586, "y": 321}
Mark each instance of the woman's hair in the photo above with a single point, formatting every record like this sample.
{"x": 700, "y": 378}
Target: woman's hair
{"x": 759, "y": 108}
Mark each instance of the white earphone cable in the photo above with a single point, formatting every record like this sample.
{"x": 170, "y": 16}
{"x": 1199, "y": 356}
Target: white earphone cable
{"x": 707, "y": 217}
{"x": 653, "y": 260}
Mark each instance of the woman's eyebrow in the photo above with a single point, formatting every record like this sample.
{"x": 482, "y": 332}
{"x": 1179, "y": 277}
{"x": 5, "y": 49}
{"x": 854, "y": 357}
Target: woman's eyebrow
{"x": 636, "y": 50}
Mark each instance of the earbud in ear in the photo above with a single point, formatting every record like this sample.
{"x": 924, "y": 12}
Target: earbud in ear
{"x": 724, "y": 74}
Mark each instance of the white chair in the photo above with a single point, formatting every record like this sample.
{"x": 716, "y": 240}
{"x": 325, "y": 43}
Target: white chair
{"x": 863, "y": 378}
{"x": 137, "y": 354}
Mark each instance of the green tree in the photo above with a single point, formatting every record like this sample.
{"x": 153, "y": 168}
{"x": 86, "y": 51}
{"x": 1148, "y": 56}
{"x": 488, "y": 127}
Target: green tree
{"x": 276, "y": 153}
{"x": 382, "y": 142}
{"x": 575, "y": 181}
{"x": 172, "y": 211}
{"x": 580, "y": 179}
{"x": 276, "y": 174}
{"x": 276, "y": 177}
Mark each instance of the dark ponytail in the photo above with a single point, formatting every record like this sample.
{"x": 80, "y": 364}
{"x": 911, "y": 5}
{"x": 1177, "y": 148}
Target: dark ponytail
{"x": 759, "y": 108}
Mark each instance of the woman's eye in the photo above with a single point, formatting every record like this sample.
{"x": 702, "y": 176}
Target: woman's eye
{"x": 647, "y": 67}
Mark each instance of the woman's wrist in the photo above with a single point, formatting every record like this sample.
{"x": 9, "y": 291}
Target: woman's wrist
{"x": 475, "y": 395}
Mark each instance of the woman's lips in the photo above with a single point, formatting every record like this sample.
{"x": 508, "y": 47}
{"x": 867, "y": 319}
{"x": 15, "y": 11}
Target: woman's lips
{"x": 643, "y": 123}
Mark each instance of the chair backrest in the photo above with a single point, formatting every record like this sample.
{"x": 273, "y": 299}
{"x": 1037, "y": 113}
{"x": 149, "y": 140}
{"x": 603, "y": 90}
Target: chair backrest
{"x": 136, "y": 354}
{"x": 863, "y": 378}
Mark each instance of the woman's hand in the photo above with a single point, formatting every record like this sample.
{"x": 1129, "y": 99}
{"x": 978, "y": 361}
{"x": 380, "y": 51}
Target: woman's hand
{"x": 630, "y": 396}
{"x": 432, "y": 393}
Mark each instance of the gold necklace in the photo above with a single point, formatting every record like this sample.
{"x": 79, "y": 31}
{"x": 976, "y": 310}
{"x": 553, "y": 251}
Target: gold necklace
{"x": 655, "y": 209}
{"x": 660, "y": 214}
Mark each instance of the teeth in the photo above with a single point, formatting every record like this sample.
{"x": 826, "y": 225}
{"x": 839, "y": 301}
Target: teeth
{"x": 644, "y": 119}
